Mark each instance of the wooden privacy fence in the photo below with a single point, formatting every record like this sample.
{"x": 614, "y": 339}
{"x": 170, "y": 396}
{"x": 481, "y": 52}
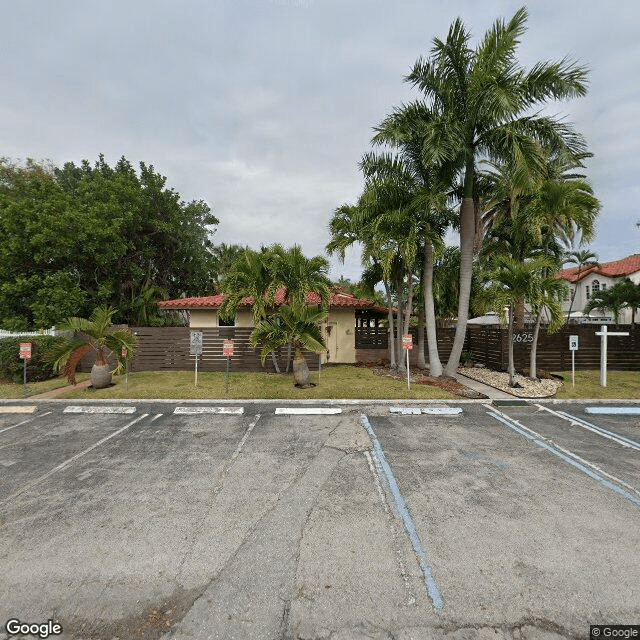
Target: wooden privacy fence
{"x": 167, "y": 349}
{"x": 490, "y": 346}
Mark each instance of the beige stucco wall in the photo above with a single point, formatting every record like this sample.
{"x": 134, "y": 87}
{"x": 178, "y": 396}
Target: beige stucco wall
{"x": 342, "y": 347}
{"x": 341, "y": 343}
{"x": 207, "y": 318}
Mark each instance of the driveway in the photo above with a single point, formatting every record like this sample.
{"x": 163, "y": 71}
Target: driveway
{"x": 193, "y": 520}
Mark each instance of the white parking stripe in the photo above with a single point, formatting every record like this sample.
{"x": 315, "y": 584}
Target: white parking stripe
{"x": 66, "y": 463}
{"x": 628, "y": 411}
{"x": 431, "y": 411}
{"x": 13, "y": 426}
{"x": 225, "y": 410}
{"x": 105, "y": 409}
{"x": 578, "y": 422}
{"x": 18, "y": 408}
{"x": 574, "y": 460}
{"x": 307, "y": 411}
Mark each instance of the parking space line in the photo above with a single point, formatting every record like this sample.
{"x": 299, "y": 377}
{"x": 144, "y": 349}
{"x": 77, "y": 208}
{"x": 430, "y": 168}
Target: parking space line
{"x": 431, "y": 411}
{"x": 594, "y": 473}
{"x": 13, "y": 426}
{"x": 384, "y": 470}
{"x": 66, "y": 463}
{"x": 307, "y": 411}
{"x": 194, "y": 410}
{"x": 579, "y": 422}
{"x": 17, "y": 408}
{"x": 105, "y": 409}
{"x": 628, "y": 411}
{"x": 155, "y": 417}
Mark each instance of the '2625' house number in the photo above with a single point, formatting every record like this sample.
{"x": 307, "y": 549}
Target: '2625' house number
{"x": 523, "y": 337}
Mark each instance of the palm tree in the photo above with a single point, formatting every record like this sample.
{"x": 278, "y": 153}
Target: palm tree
{"x": 95, "y": 334}
{"x": 584, "y": 259}
{"x": 250, "y": 277}
{"x": 479, "y": 106}
{"x": 296, "y": 324}
{"x": 621, "y": 295}
{"x": 298, "y": 275}
{"x": 223, "y": 257}
{"x": 513, "y": 280}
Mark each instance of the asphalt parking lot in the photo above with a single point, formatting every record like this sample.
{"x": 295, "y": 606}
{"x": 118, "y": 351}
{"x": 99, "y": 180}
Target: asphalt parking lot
{"x": 507, "y": 522}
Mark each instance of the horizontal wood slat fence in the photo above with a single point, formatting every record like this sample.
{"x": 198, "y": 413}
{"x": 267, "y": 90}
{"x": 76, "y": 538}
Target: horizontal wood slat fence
{"x": 167, "y": 348}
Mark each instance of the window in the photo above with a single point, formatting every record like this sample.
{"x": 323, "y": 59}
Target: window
{"x": 595, "y": 286}
{"x": 604, "y": 286}
{"x": 587, "y": 289}
{"x": 226, "y": 322}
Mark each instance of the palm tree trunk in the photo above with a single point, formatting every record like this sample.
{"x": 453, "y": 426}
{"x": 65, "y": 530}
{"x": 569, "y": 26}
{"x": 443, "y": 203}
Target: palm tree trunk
{"x": 511, "y": 367}
{"x": 533, "y": 372}
{"x": 573, "y": 296}
{"x": 402, "y": 367}
{"x": 275, "y": 361}
{"x": 435, "y": 366}
{"x": 467, "y": 233}
{"x": 518, "y": 313}
{"x": 288, "y": 358}
{"x": 422, "y": 365}
{"x": 392, "y": 341}
{"x": 407, "y": 311}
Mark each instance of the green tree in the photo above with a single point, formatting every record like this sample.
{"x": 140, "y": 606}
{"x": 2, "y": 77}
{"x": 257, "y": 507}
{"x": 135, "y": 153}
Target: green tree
{"x": 77, "y": 237}
{"x": 583, "y": 259}
{"x": 622, "y": 295}
{"x": 296, "y": 324}
{"x": 95, "y": 334}
{"x": 479, "y": 105}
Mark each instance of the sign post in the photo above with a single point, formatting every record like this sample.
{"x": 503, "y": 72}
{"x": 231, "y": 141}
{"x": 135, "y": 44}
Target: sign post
{"x": 25, "y": 354}
{"x": 407, "y": 343}
{"x": 123, "y": 353}
{"x": 603, "y": 333}
{"x": 195, "y": 346}
{"x": 573, "y": 347}
{"x": 227, "y": 352}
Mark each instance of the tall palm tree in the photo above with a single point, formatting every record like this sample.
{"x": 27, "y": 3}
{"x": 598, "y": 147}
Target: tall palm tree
{"x": 223, "y": 257}
{"x": 583, "y": 259}
{"x": 479, "y": 106}
{"x": 250, "y": 277}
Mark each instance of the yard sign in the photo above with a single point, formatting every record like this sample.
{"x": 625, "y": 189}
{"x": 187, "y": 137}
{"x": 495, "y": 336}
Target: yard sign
{"x": 407, "y": 343}
{"x": 195, "y": 344}
{"x": 25, "y": 354}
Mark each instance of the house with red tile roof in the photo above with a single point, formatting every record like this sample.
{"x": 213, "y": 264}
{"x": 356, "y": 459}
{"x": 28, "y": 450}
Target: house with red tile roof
{"x": 599, "y": 277}
{"x": 346, "y": 313}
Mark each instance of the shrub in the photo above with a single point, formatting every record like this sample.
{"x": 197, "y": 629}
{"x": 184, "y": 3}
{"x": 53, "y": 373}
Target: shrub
{"x": 39, "y": 367}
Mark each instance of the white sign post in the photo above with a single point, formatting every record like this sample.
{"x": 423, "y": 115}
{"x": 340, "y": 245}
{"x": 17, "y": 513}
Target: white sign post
{"x": 573, "y": 347}
{"x": 407, "y": 343}
{"x": 603, "y": 333}
{"x": 195, "y": 346}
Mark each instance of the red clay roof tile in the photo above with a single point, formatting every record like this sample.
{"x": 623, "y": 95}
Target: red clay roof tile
{"x": 615, "y": 269}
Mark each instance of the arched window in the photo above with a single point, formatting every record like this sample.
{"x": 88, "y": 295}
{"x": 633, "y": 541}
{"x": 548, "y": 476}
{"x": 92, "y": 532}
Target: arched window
{"x": 595, "y": 286}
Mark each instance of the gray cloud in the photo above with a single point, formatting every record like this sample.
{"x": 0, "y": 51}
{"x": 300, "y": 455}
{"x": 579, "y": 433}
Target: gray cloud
{"x": 263, "y": 108}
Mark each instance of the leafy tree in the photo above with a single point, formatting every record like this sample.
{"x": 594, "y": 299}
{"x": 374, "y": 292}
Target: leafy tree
{"x": 223, "y": 257}
{"x": 77, "y": 237}
{"x": 583, "y": 259}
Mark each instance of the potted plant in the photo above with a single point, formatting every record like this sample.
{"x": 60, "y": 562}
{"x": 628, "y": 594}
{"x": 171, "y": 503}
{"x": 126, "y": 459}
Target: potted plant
{"x": 95, "y": 334}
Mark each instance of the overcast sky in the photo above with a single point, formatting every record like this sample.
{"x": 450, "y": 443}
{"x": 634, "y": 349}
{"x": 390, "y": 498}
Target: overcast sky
{"x": 263, "y": 108}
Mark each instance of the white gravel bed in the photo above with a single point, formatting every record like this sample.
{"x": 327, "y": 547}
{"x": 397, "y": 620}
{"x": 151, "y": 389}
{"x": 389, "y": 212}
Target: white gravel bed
{"x": 500, "y": 380}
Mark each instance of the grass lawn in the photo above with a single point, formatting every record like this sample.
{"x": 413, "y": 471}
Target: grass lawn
{"x": 337, "y": 382}
{"x": 620, "y": 384}
{"x": 10, "y": 390}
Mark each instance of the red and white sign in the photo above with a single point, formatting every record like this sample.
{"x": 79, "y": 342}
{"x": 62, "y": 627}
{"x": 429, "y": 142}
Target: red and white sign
{"x": 25, "y": 350}
{"x": 227, "y": 348}
{"x": 123, "y": 352}
{"x": 407, "y": 341}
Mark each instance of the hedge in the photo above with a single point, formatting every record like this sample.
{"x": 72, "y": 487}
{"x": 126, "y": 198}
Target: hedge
{"x": 38, "y": 367}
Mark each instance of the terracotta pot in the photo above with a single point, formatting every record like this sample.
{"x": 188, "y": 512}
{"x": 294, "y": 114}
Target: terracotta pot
{"x": 100, "y": 376}
{"x": 300, "y": 371}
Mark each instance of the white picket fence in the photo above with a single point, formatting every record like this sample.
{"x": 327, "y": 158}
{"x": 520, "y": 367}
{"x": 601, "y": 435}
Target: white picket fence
{"x": 20, "y": 334}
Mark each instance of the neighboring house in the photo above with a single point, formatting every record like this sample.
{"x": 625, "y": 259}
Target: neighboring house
{"x": 599, "y": 278}
{"x": 345, "y": 314}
